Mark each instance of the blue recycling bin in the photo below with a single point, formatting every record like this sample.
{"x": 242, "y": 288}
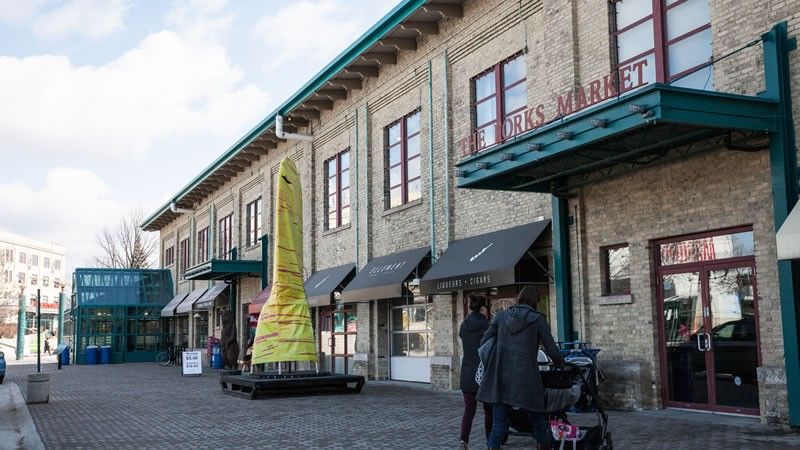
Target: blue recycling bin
{"x": 64, "y": 355}
{"x": 216, "y": 357}
{"x": 105, "y": 354}
{"x": 92, "y": 354}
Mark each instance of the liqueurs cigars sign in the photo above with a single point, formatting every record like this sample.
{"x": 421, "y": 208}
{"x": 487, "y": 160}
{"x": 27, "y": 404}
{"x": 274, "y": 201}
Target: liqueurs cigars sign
{"x": 626, "y": 78}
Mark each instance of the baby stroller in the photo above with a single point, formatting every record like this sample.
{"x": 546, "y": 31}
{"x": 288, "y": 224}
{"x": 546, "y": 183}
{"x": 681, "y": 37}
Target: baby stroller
{"x": 573, "y": 388}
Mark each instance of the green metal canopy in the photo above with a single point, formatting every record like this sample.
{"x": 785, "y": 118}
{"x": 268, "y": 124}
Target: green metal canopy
{"x": 643, "y": 127}
{"x": 224, "y": 269}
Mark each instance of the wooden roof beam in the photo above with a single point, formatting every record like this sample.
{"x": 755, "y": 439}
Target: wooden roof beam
{"x": 399, "y": 43}
{"x": 421, "y": 27}
{"x": 347, "y": 83}
{"x": 445, "y": 9}
{"x": 322, "y": 105}
{"x": 380, "y": 58}
{"x": 364, "y": 71}
{"x": 333, "y": 94}
{"x": 310, "y": 114}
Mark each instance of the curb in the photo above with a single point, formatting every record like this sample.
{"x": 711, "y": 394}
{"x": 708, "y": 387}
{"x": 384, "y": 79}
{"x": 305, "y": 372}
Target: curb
{"x": 17, "y": 430}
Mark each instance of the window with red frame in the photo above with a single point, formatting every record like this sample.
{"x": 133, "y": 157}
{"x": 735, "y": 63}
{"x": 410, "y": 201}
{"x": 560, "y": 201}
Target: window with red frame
{"x": 498, "y": 93}
{"x": 202, "y": 245}
{"x": 225, "y": 236}
{"x": 183, "y": 248}
{"x": 403, "y": 179}
{"x": 337, "y": 191}
{"x": 672, "y": 36}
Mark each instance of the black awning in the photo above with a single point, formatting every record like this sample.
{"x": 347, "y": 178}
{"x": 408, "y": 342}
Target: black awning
{"x": 486, "y": 260}
{"x": 206, "y": 301}
{"x": 321, "y": 285}
{"x": 383, "y": 277}
{"x": 169, "y": 309}
{"x": 186, "y": 305}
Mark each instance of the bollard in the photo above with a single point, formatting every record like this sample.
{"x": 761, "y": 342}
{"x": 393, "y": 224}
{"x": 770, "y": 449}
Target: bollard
{"x": 38, "y": 388}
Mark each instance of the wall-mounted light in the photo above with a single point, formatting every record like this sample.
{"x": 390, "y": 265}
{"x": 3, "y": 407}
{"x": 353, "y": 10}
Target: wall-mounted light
{"x": 599, "y": 123}
{"x": 458, "y": 173}
{"x": 507, "y": 156}
{"x": 535, "y": 147}
{"x": 481, "y": 165}
{"x": 564, "y": 135}
{"x": 637, "y": 108}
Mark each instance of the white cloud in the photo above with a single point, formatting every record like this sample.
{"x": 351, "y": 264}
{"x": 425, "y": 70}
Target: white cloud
{"x": 94, "y": 18}
{"x": 171, "y": 85}
{"x": 69, "y": 209}
{"x": 315, "y": 30}
{"x": 203, "y": 19}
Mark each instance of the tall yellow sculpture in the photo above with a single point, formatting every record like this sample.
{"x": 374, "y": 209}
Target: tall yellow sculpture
{"x": 284, "y": 331}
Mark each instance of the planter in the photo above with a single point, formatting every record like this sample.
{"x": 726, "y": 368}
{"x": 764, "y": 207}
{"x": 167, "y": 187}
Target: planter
{"x": 38, "y": 388}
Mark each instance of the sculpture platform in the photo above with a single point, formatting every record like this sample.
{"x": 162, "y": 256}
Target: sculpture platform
{"x": 266, "y": 384}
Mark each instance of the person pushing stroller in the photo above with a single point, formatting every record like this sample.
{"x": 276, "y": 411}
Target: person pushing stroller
{"x": 511, "y": 374}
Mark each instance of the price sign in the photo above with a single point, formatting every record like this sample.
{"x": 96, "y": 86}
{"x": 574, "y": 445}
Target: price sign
{"x": 192, "y": 364}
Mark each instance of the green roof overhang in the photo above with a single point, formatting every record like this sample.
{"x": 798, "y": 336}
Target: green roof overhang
{"x": 223, "y": 269}
{"x": 635, "y": 129}
{"x": 390, "y": 21}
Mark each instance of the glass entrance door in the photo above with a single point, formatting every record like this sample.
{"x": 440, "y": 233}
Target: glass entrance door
{"x": 337, "y": 339}
{"x": 710, "y": 343}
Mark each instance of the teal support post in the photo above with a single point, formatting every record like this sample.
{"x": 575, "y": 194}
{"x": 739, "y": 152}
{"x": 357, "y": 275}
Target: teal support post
{"x": 562, "y": 270}
{"x": 21, "y": 327}
{"x": 232, "y": 299}
{"x": 783, "y": 170}
{"x": 264, "y": 261}
{"x": 62, "y": 297}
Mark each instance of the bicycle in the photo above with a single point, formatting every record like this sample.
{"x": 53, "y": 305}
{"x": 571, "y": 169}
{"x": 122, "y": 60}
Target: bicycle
{"x": 167, "y": 357}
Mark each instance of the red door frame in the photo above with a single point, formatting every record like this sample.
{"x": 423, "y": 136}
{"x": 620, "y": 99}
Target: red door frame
{"x": 702, "y": 268}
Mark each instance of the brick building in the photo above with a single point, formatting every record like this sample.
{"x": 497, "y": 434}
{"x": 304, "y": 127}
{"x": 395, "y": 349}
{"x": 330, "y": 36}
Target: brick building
{"x": 632, "y": 159}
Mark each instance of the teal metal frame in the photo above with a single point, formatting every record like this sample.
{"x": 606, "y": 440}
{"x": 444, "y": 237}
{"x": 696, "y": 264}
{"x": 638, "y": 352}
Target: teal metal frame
{"x": 563, "y": 285}
{"x": 783, "y": 170}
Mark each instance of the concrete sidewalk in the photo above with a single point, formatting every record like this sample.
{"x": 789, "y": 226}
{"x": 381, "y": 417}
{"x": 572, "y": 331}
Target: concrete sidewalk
{"x": 17, "y": 430}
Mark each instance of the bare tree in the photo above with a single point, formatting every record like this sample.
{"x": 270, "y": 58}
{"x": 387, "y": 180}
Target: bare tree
{"x": 127, "y": 246}
{"x": 9, "y": 295}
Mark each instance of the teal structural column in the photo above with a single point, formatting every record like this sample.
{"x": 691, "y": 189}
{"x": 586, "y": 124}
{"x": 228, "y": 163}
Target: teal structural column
{"x": 783, "y": 171}
{"x": 264, "y": 261}
{"x": 446, "y": 128}
{"x": 561, "y": 269}
{"x": 232, "y": 299}
{"x": 62, "y": 297}
{"x": 21, "y": 326}
{"x": 431, "y": 198}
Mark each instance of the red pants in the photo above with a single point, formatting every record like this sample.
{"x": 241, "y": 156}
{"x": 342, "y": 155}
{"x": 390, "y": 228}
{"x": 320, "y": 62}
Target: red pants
{"x": 470, "y": 405}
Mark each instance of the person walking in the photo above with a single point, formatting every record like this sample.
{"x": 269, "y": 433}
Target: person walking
{"x": 47, "y": 346}
{"x": 472, "y": 329}
{"x": 511, "y": 375}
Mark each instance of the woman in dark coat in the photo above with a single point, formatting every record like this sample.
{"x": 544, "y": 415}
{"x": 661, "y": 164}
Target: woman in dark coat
{"x": 511, "y": 377}
{"x": 471, "y": 332}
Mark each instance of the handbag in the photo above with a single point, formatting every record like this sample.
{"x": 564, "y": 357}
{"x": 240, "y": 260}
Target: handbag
{"x": 484, "y": 353}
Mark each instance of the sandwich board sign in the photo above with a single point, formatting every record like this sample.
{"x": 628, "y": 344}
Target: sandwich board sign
{"x": 191, "y": 364}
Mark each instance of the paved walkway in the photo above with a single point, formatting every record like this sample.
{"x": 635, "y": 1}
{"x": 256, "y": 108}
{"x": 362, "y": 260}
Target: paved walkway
{"x": 142, "y": 406}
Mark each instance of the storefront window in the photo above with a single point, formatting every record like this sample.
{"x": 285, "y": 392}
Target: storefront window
{"x": 337, "y": 190}
{"x": 616, "y": 269}
{"x": 499, "y": 93}
{"x": 663, "y": 41}
{"x": 707, "y": 248}
{"x": 403, "y": 178}
{"x": 411, "y": 332}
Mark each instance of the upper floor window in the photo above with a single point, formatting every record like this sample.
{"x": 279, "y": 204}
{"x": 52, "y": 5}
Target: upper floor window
{"x": 7, "y": 255}
{"x": 202, "y": 245}
{"x": 169, "y": 256}
{"x": 7, "y": 276}
{"x": 403, "y": 180}
{"x": 57, "y": 264}
{"x": 665, "y": 41}
{"x": 21, "y": 277}
{"x": 225, "y": 236}
{"x": 498, "y": 94}
{"x": 183, "y": 248}
{"x": 56, "y": 282}
{"x": 34, "y": 279}
{"x": 34, "y": 260}
{"x": 23, "y": 258}
{"x": 616, "y": 268}
{"x": 45, "y": 281}
{"x": 337, "y": 190}
{"x": 46, "y": 263}
{"x": 253, "y": 222}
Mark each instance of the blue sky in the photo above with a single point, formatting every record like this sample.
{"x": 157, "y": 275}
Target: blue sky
{"x": 112, "y": 105}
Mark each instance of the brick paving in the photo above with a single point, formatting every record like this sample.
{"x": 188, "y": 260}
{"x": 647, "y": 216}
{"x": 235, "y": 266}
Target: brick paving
{"x": 143, "y": 406}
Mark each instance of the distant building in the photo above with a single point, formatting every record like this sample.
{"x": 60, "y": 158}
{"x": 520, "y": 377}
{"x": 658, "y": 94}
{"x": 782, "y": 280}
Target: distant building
{"x": 28, "y": 265}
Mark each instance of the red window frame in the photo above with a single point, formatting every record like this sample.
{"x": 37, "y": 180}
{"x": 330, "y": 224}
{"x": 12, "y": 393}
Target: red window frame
{"x": 406, "y": 178}
{"x": 253, "y": 222}
{"x": 183, "y": 249}
{"x": 225, "y": 237}
{"x": 202, "y": 245}
{"x": 661, "y": 43}
{"x": 500, "y": 89}
{"x": 334, "y": 198}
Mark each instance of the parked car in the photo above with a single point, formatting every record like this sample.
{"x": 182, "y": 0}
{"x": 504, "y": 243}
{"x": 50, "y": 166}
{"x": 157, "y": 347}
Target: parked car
{"x": 2, "y": 366}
